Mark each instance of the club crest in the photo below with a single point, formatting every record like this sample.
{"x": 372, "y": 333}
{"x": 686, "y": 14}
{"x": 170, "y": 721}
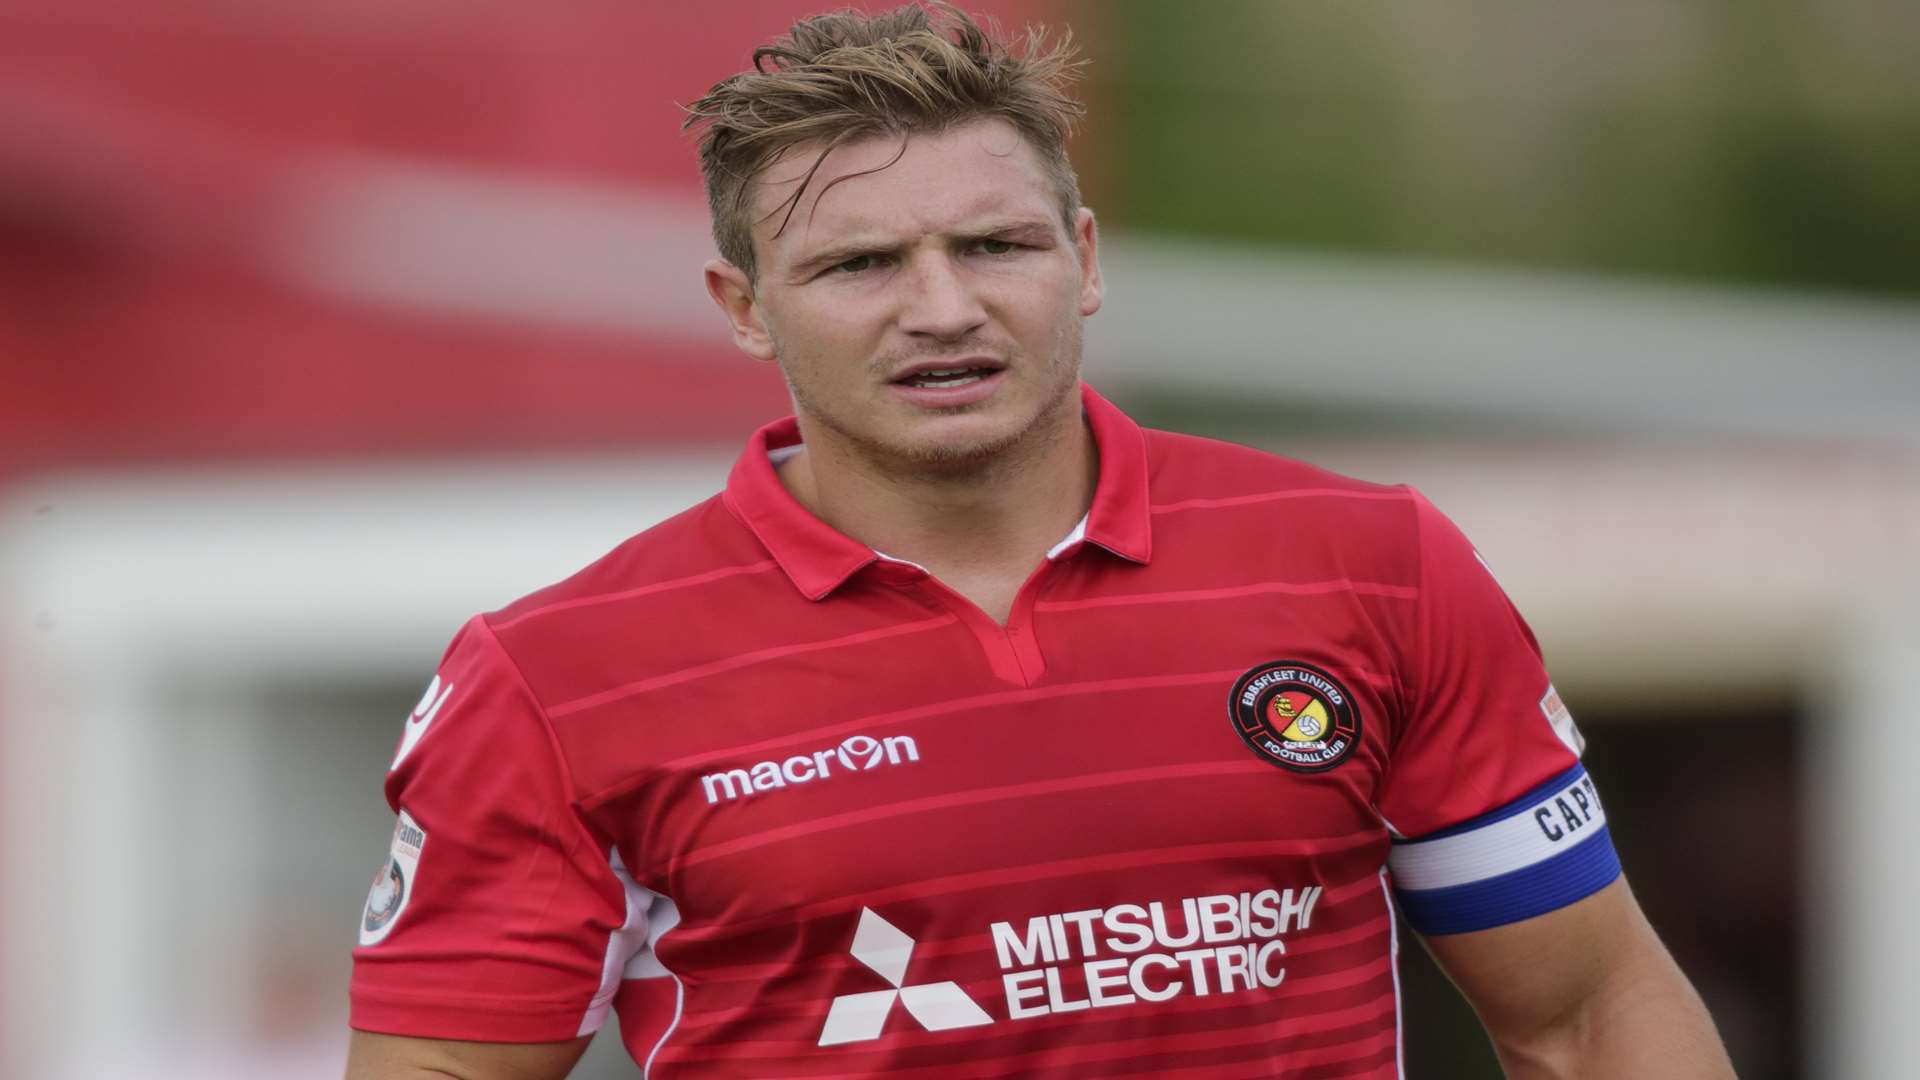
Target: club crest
{"x": 1295, "y": 715}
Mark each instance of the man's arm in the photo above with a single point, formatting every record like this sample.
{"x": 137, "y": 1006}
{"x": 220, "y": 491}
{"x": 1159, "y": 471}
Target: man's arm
{"x": 1585, "y": 991}
{"x": 499, "y": 916}
{"x": 395, "y": 1057}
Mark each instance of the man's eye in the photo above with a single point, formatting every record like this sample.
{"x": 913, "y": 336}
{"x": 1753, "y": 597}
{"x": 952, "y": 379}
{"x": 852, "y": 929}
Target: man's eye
{"x": 996, "y": 247}
{"x": 855, "y": 265}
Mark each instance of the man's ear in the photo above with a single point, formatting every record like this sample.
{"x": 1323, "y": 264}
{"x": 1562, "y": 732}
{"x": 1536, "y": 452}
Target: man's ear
{"x": 1086, "y": 239}
{"x": 732, "y": 290}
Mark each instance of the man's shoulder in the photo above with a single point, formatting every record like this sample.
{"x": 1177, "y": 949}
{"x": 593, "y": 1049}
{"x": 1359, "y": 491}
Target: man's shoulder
{"x": 1195, "y": 468}
{"x": 654, "y": 571}
{"x": 1234, "y": 501}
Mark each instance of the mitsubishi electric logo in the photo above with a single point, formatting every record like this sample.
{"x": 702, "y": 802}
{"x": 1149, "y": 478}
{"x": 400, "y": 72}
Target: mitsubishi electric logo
{"x": 859, "y": 1017}
{"x": 857, "y": 753}
{"x": 1129, "y": 954}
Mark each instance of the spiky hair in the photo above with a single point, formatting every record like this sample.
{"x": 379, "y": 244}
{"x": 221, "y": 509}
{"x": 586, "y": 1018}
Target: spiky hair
{"x": 850, "y": 74}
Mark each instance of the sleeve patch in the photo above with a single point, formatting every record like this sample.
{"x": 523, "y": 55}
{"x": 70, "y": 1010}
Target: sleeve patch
{"x": 394, "y": 884}
{"x": 1538, "y": 853}
{"x": 1558, "y": 715}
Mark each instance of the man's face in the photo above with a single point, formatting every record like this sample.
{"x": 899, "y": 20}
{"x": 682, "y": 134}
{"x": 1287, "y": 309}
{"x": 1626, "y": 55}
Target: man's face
{"x": 925, "y": 311}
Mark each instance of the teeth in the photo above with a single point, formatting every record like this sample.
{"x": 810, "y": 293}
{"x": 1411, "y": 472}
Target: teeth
{"x": 947, "y": 377}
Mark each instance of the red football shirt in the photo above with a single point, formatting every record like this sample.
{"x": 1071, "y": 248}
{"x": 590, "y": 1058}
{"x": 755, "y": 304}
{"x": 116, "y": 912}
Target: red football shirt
{"x": 796, "y": 809}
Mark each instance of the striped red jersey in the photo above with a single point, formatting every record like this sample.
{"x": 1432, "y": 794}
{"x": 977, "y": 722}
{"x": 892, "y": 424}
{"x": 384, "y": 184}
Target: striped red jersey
{"x": 793, "y": 808}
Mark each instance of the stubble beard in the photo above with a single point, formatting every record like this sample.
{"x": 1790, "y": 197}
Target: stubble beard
{"x": 999, "y": 455}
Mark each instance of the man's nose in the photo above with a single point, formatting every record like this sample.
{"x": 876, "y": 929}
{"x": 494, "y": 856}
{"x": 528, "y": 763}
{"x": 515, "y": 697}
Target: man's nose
{"x": 940, "y": 300}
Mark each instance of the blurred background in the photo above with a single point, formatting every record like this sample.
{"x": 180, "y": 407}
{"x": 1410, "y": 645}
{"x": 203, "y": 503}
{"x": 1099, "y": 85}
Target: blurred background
{"x": 323, "y": 326}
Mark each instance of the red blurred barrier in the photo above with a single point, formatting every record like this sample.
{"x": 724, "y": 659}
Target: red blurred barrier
{"x": 154, "y": 159}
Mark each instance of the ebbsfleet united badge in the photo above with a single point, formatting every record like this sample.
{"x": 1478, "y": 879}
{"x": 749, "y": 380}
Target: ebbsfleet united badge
{"x": 1295, "y": 715}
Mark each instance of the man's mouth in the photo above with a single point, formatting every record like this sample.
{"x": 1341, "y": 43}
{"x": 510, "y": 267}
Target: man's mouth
{"x": 936, "y": 376}
{"x": 944, "y": 378}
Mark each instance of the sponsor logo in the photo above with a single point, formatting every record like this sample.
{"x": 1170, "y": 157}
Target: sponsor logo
{"x": 422, "y": 715}
{"x": 1295, "y": 715}
{"x": 886, "y": 951}
{"x": 1101, "y": 958}
{"x": 1094, "y": 958}
{"x": 857, "y": 753}
{"x": 394, "y": 883}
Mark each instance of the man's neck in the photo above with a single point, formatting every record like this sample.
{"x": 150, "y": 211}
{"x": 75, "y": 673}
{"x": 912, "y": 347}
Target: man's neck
{"x": 980, "y": 529}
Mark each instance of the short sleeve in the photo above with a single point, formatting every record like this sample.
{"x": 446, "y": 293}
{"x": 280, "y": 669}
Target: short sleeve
{"x": 1495, "y": 818}
{"x": 498, "y": 915}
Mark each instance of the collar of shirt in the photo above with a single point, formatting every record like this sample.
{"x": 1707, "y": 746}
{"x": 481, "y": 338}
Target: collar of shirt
{"x": 819, "y": 558}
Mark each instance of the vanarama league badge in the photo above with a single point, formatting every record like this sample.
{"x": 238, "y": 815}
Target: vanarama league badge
{"x": 1295, "y": 715}
{"x": 383, "y": 902}
{"x": 394, "y": 884}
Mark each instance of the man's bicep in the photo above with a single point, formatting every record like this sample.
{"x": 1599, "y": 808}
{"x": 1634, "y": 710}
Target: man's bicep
{"x": 373, "y": 1056}
{"x": 1586, "y": 991}
{"x": 1525, "y": 977}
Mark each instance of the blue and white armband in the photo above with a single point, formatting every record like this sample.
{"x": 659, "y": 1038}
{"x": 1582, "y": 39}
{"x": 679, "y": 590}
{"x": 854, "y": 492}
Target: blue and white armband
{"x": 1539, "y": 853}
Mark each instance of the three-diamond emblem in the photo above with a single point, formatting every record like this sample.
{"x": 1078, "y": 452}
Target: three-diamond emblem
{"x": 885, "y": 950}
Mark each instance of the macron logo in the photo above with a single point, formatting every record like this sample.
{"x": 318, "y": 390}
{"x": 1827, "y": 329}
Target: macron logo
{"x": 423, "y": 714}
{"x": 857, "y": 754}
{"x": 885, "y": 950}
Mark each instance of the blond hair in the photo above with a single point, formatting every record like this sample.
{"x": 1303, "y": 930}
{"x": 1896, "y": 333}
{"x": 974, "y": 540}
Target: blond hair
{"x": 850, "y": 74}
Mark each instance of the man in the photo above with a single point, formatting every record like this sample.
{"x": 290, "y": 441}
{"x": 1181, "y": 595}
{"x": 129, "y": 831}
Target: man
{"x": 974, "y": 731}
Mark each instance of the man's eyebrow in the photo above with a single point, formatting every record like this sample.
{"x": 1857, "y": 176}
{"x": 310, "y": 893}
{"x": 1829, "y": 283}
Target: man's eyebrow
{"x": 840, "y": 253}
{"x": 1003, "y": 227}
